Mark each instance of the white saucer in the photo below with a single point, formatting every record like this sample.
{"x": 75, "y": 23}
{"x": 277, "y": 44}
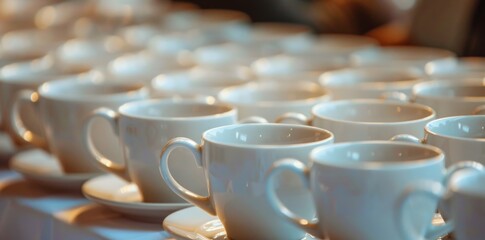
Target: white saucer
{"x": 43, "y": 169}
{"x": 195, "y": 224}
{"x": 123, "y": 197}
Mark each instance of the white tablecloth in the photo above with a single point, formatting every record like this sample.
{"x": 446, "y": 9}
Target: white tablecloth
{"x": 31, "y": 212}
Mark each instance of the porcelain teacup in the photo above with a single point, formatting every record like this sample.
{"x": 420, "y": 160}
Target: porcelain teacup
{"x": 234, "y": 159}
{"x": 366, "y": 119}
{"x": 356, "y": 185}
{"x": 462, "y": 138}
{"x": 272, "y": 99}
{"x": 61, "y": 107}
{"x": 143, "y": 127}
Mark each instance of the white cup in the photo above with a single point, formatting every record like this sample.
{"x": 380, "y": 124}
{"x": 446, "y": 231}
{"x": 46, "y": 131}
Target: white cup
{"x": 235, "y": 159}
{"x": 27, "y": 75}
{"x": 452, "y": 98}
{"x": 143, "y": 127}
{"x": 272, "y": 99}
{"x": 460, "y": 199}
{"x": 355, "y": 187}
{"x": 462, "y": 138}
{"x": 297, "y": 67}
{"x": 371, "y": 82}
{"x": 457, "y": 69}
{"x": 399, "y": 56}
{"x": 61, "y": 106}
{"x": 366, "y": 119}
{"x": 197, "y": 81}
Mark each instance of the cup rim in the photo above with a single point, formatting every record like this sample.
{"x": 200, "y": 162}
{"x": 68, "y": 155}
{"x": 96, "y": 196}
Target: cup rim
{"x": 138, "y": 89}
{"x": 418, "y": 76}
{"x": 434, "y": 133}
{"x": 323, "y": 96}
{"x": 123, "y": 109}
{"x": 418, "y": 88}
{"x": 329, "y": 139}
{"x": 431, "y": 116}
{"x": 373, "y": 166}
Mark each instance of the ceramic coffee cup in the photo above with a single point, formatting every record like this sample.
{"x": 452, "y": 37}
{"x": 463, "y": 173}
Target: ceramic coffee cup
{"x": 371, "y": 82}
{"x": 355, "y": 187}
{"x": 61, "y": 106}
{"x": 337, "y": 43}
{"x": 195, "y": 82}
{"x": 462, "y": 138}
{"x": 452, "y": 98}
{"x": 297, "y": 67}
{"x": 366, "y": 119}
{"x": 272, "y": 99}
{"x": 234, "y": 159}
{"x": 457, "y": 68}
{"x": 462, "y": 199}
{"x": 143, "y": 127}
{"x": 399, "y": 56}
{"x": 27, "y": 75}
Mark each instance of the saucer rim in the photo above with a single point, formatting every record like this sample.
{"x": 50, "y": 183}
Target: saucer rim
{"x": 51, "y": 177}
{"x": 129, "y": 205}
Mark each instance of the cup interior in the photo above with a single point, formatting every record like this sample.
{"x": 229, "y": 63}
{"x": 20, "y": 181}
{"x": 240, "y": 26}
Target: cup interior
{"x": 468, "y": 127}
{"x": 372, "y": 111}
{"x": 271, "y": 92}
{"x": 374, "y": 154}
{"x": 257, "y": 135}
{"x": 173, "y": 109}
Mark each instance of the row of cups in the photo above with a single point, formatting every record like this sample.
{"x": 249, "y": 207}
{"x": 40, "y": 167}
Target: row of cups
{"x": 234, "y": 158}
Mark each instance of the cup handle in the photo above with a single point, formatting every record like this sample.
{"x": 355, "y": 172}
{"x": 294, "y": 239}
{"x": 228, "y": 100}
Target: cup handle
{"x": 102, "y": 161}
{"x": 432, "y": 190}
{"x": 299, "y": 169}
{"x": 17, "y": 124}
{"x": 407, "y": 138}
{"x": 480, "y": 110}
{"x": 203, "y": 202}
{"x": 299, "y": 118}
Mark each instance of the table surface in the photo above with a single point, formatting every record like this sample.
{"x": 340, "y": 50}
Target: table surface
{"x": 30, "y": 212}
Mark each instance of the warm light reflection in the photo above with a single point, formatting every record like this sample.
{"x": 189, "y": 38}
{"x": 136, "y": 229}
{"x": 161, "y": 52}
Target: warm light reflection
{"x": 28, "y": 136}
{"x": 34, "y": 97}
{"x": 45, "y": 17}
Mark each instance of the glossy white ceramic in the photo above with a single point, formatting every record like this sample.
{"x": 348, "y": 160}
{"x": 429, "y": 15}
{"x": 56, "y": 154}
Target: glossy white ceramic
{"x": 356, "y": 185}
{"x": 452, "y": 98}
{"x": 297, "y": 67}
{"x": 124, "y": 197}
{"x": 366, "y": 119}
{"x": 234, "y": 159}
{"x": 62, "y": 106}
{"x": 43, "y": 169}
{"x": 371, "y": 82}
{"x": 457, "y": 68}
{"x": 272, "y": 99}
{"x": 27, "y": 75}
{"x": 399, "y": 56}
{"x": 193, "y": 223}
{"x": 143, "y": 127}
{"x": 462, "y": 200}
{"x": 194, "y": 82}
{"x": 462, "y": 138}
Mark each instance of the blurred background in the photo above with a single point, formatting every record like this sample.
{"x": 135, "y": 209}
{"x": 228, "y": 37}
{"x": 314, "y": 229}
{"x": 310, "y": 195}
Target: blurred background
{"x": 458, "y": 26}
